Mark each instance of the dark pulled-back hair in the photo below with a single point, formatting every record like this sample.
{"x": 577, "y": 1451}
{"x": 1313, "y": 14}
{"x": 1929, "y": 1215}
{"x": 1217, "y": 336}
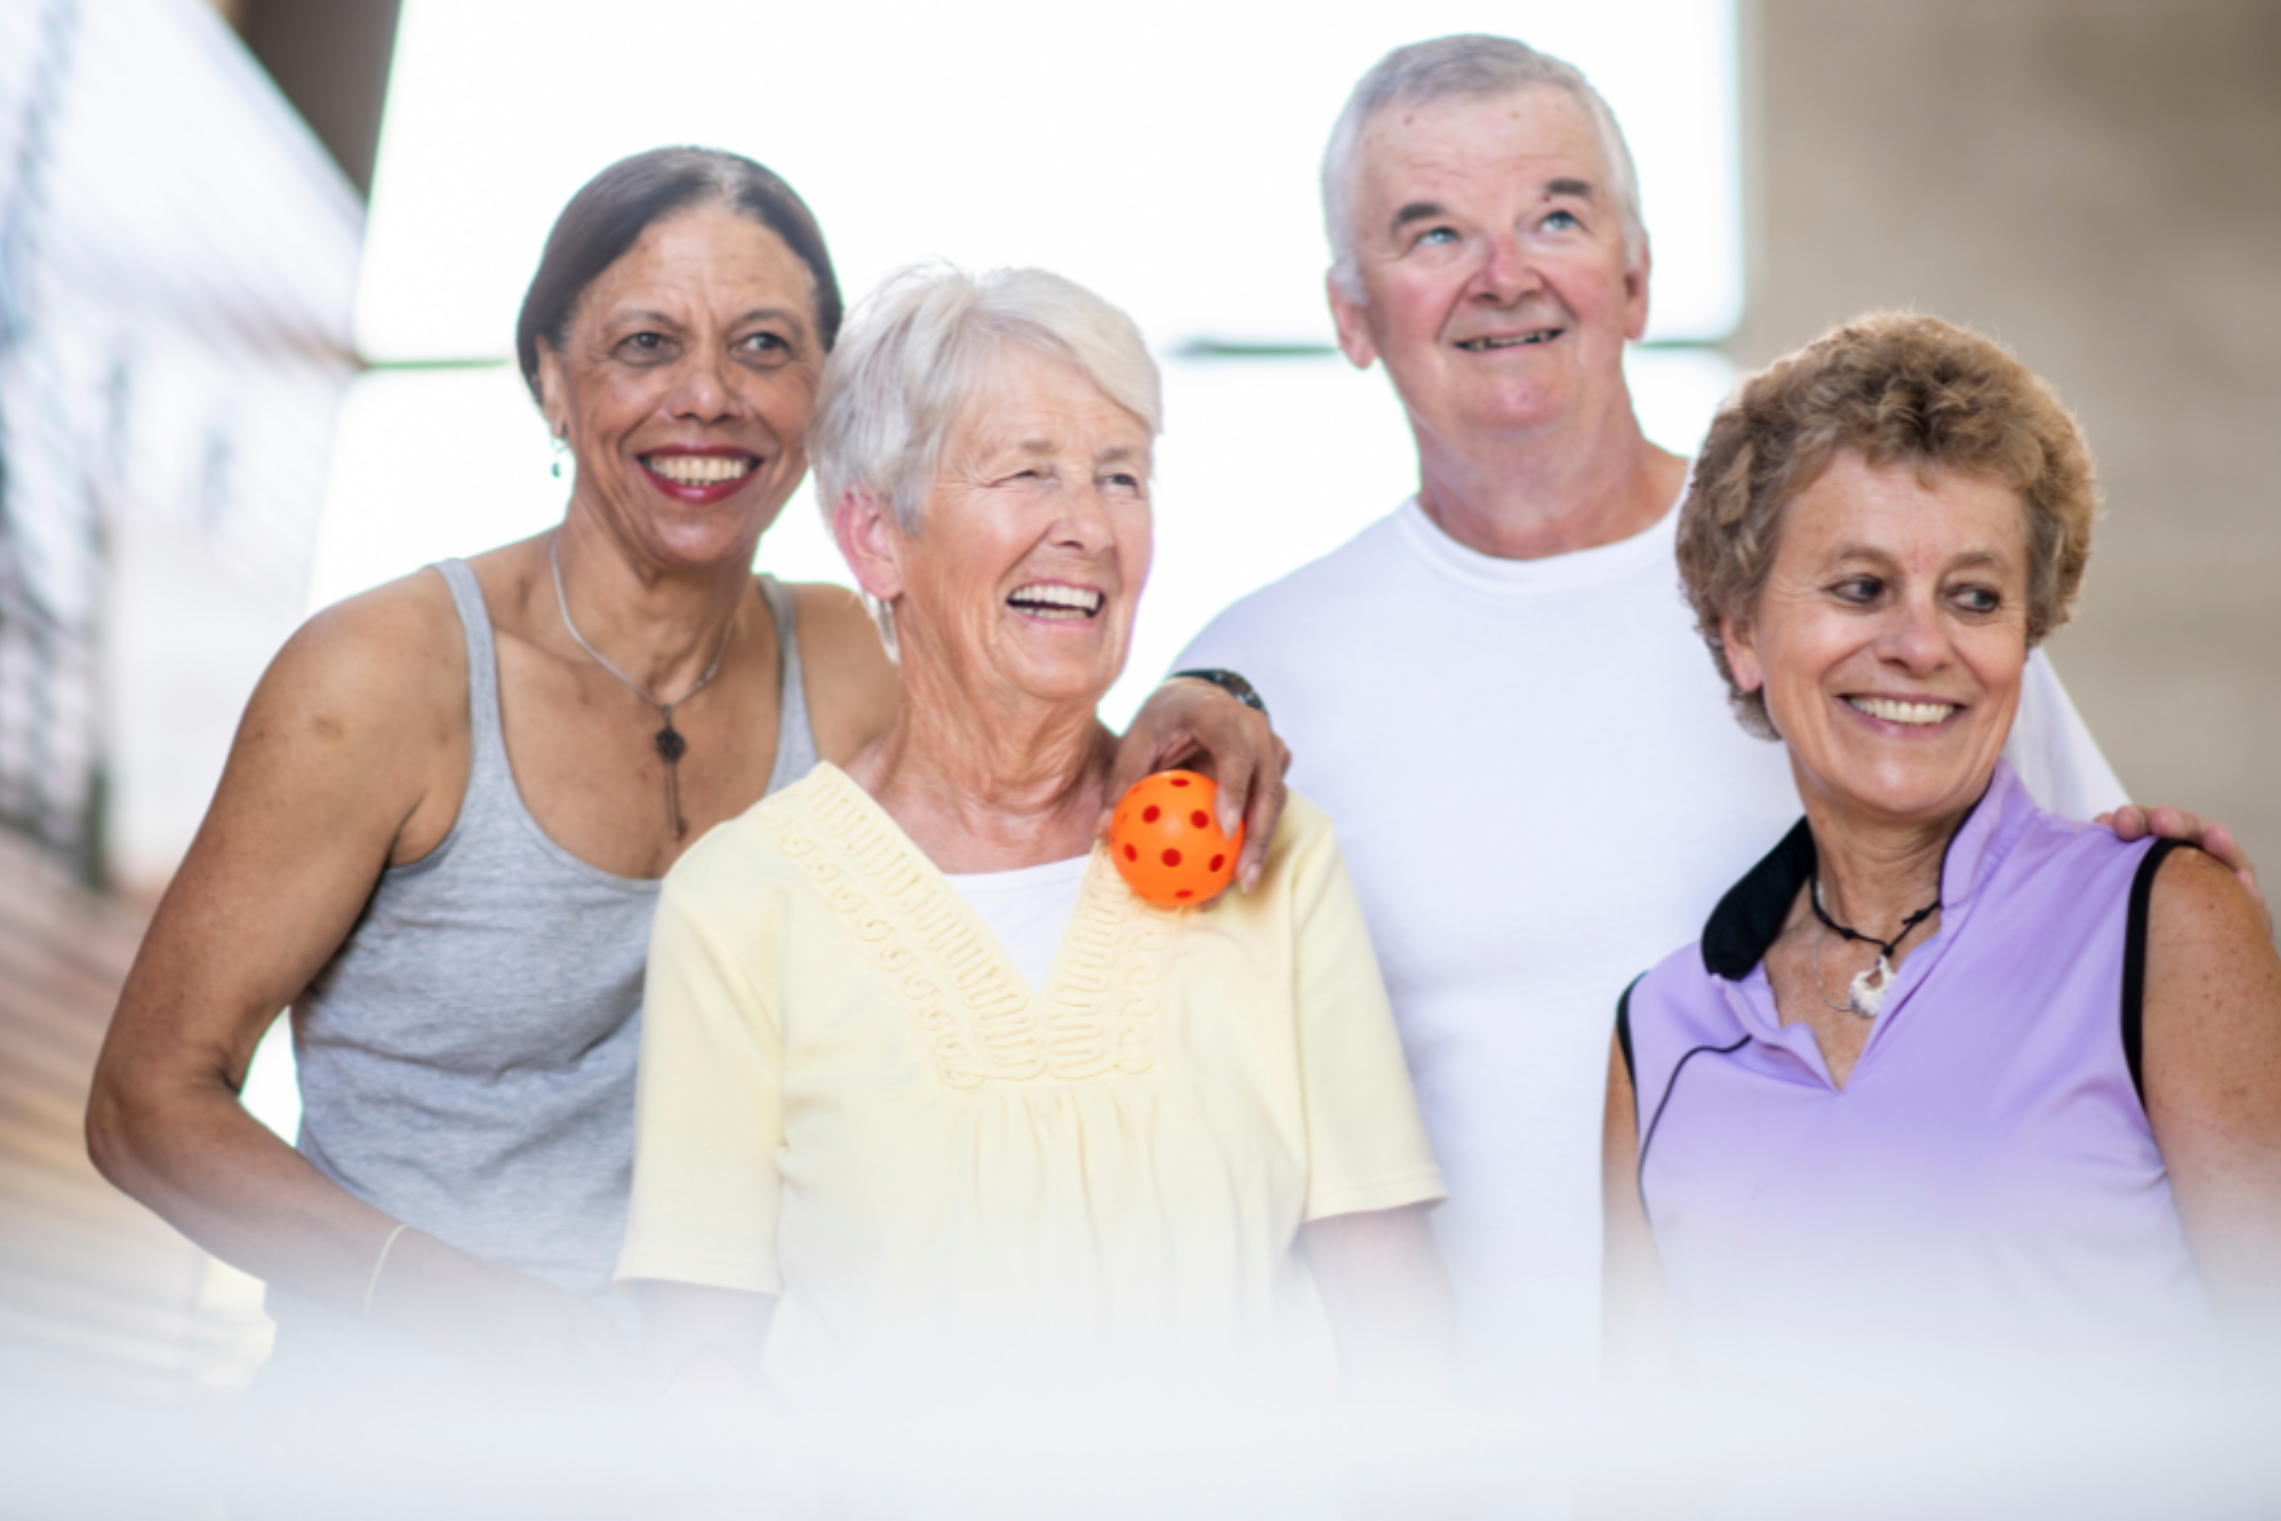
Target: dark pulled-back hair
{"x": 612, "y": 211}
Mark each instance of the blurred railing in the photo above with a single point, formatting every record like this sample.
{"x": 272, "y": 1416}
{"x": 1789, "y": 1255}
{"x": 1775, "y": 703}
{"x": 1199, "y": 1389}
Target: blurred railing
{"x": 51, "y": 541}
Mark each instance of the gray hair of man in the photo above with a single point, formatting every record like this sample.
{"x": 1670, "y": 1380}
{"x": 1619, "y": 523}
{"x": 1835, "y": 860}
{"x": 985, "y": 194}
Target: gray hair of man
{"x": 1464, "y": 67}
{"x": 917, "y": 355}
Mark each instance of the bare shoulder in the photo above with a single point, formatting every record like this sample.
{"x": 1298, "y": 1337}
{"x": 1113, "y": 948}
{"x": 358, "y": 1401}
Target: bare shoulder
{"x": 852, "y": 686}
{"x": 2198, "y": 902}
{"x": 2213, "y": 986}
{"x": 392, "y": 656}
{"x": 361, "y": 719}
{"x": 341, "y": 746}
{"x": 836, "y": 631}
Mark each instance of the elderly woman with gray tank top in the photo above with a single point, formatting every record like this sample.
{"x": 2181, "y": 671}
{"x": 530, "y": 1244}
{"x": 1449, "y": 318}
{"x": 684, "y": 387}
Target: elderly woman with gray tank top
{"x": 440, "y": 835}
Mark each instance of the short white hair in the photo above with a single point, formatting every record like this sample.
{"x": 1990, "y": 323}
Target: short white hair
{"x": 918, "y": 351}
{"x": 1465, "y": 67}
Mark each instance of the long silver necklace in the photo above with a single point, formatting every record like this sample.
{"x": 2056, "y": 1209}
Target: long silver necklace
{"x": 1865, "y": 995}
{"x": 1821, "y": 986}
{"x": 670, "y": 744}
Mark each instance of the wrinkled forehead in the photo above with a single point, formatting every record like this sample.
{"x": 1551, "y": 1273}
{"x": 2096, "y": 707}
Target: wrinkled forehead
{"x": 1520, "y": 139}
{"x": 1903, "y": 504}
{"x": 712, "y": 249}
{"x": 1025, "y": 397}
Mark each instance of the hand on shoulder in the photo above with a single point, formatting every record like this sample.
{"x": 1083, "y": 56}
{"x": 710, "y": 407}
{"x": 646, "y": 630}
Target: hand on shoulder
{"x": 1201, "y": 726}
{"x": 2165, "y": 823}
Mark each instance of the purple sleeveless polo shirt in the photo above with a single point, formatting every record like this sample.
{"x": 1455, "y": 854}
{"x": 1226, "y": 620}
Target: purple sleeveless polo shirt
{"x": 1984, "y": 1190}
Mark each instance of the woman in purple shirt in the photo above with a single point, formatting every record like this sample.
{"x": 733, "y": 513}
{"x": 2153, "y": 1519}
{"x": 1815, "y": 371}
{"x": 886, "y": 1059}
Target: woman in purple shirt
{"x": 1949, "y": 1082}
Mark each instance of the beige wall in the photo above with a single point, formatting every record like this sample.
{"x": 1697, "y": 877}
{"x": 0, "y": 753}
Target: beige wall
{"x": 2097, "y": 183}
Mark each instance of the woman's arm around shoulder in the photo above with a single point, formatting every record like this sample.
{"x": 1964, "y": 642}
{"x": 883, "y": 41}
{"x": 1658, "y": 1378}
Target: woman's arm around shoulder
{"x": 352, "y": 756}
{"x": 2213, "y": 1086}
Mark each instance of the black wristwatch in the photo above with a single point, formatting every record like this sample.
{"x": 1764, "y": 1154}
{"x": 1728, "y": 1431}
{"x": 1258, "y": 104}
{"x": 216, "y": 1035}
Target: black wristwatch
{"x": 1232, "y": 684}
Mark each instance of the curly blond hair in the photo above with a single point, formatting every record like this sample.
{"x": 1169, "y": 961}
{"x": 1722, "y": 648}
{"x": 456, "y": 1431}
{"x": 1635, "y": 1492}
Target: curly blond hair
{"x": 1894, "y": 387}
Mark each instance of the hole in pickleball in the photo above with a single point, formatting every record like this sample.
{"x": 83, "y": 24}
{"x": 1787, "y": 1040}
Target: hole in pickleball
{"x": 1200, "y": 819}
{"x": 1184, "y": 893}
{"x": 1218, "y": 862}
{"x": 1131, "y": 854}
{"x": 1154, "y": 813}
{"x": 1172, "y": 858}
{"x": 1180, "y": 781}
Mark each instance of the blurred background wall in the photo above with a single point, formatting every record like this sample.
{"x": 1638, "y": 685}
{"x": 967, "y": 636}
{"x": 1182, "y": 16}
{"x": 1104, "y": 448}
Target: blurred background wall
{"x": 178, "y": 260}
{"x": 2098, "y": 184}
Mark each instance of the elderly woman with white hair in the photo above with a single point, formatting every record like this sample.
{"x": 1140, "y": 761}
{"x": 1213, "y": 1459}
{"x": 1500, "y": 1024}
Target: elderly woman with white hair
{"x": 928, "y": 1097}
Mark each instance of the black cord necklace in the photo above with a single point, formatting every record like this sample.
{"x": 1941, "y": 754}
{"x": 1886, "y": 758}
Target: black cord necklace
{"x": 1864, "y": 996}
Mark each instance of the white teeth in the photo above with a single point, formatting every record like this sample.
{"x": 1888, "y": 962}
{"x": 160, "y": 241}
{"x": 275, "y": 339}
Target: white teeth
{"x": 1057, "y": 601}
{"x": 699, "y": 469}
{"x": 1902, "y": 712}
{"x": 1484, "y": 345}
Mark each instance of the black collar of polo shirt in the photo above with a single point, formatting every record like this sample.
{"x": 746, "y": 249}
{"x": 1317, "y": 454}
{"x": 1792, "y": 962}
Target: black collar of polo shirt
{"x": 1749, "y": 918}
{"x": 1754, "y": 910}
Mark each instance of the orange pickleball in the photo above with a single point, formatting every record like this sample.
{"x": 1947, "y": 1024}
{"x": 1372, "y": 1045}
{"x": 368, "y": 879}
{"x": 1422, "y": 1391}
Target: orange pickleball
{"x": 1167, "y": 843}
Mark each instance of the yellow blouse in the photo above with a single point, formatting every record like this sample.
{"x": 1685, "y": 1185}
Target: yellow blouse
{"x": 849, "y": 1097}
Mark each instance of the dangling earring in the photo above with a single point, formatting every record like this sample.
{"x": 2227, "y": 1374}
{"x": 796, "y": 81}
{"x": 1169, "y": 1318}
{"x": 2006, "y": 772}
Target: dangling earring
{"x": 560, "y": 447}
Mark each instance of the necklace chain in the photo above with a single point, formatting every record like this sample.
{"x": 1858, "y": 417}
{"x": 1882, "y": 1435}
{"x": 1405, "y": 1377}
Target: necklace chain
{"x": 1822, "y": 987}
{"x": 554, "y": 563}
{"x": 1863, "y": 996}
{"x": 670, "y": 743}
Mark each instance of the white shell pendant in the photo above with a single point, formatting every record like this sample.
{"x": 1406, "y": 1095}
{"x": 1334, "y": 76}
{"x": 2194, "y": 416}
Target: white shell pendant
{"x": 1866, "y": 997}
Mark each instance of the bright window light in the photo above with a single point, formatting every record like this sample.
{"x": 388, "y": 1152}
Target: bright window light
{"x": 1168, "y": 160}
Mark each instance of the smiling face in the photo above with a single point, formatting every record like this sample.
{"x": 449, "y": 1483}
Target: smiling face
{"x": 685, "y": 387}
{"x": 1033, "y": 545}
{"x": 1891, "y": 636}
{"x": 1490, "y": 249}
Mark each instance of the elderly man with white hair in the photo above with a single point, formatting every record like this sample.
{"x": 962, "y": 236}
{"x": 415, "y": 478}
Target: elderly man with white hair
{"x": 1497, "y": 690}
{"x": 935, "y": 1115}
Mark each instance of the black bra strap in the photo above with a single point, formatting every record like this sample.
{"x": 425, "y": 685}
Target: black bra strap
{"x": 2134, "y": 964}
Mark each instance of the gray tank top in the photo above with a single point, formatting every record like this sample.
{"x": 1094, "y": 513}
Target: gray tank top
{"x": 467, "y": 1056}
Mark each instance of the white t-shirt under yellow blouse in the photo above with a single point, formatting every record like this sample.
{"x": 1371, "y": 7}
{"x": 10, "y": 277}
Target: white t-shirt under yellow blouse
{"x": 849, "y": 1097}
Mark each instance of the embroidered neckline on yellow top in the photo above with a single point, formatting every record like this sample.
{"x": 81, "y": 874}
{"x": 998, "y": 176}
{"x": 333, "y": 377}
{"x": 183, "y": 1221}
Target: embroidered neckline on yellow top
{"x": 980, "y": 1019}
